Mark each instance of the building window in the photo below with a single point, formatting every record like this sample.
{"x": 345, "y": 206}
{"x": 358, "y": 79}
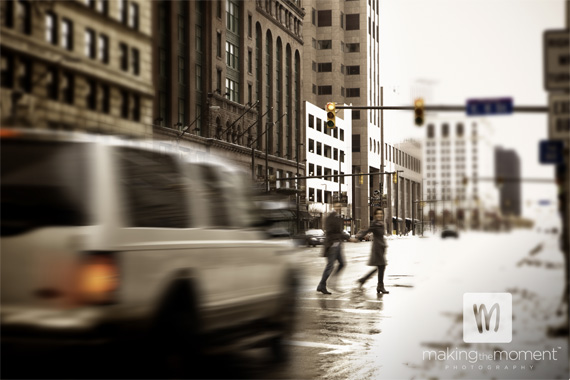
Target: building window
{"x": 355, "y": 114}
{"x": 7, "y": 77}
{"x": 124, "y": 56}
{"x": 136, "y": 61}
{"x": 319, "y": 123}
{"x": 341, "y": 137}
{"x": 90, "y": 51}
{"x": 232, "y": 21}
{"x": 232, "y": 58}
{"x": 91, "y": 100}
{"x": 53, "y": 84}
{"x": 311, "y": 121}
{"x": 341, "y": 20}
{"x": 123, "y": 11}
{"x": 136, "y": 108}
{"x": 51, "y": 28}
{"x": 353, "y": 48}
{"x": 355, "y": 143}
{"x": 24, "y": 16}
{"x": 314, "y": 89}
{"x": 67, "y": 34}
{"x": 219, "y": 45}
{"x": 134, "y": 16}
{"x": 9, "y": 14}
{"x": 352, "y": 70}
{"x": 325, "y": 18}
{"x": 325, "y": 67}
{"x": 103, "y": 7}
{"x": 460, "y": 130}
{"x": 232, "y": 89}
{"x": 249, "y": 61}
{"x": 353, "y": 21}
{"x": 105, "y": 99}
{"x": 68, "y": 88}
{"x": 325, "y": 90}
{"x": 313, "y": 16}
{"x": 249, "y": 26}
{"x": 219, "y": 80}
{"x": 124, "y": 104}
{"x": 324, "y": 44}
{"x": 181, "y": 71}
{"x": 104, "y": 48}
{"x": 445, "y": 130}
{"x": 353, "y": 92}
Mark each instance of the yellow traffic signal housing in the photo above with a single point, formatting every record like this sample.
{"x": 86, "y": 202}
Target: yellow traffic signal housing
{"x": 396, "y": 177}
{"x": 419, "y": 111}
{"x": 331, "y": 115}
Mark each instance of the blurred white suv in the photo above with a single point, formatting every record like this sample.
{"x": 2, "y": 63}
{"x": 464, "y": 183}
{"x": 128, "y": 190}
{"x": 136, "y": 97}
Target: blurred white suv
{"x": 107, "y": 241}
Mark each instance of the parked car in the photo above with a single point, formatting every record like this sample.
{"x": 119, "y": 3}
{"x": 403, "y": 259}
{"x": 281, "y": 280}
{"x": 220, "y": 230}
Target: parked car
{"x": 314, "y": 237}
{"x": 107, "y": 241}
{"x": 450, "y": 231}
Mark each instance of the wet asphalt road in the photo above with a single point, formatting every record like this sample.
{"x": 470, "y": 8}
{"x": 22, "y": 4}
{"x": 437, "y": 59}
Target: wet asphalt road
{"x": 356, "y": 334}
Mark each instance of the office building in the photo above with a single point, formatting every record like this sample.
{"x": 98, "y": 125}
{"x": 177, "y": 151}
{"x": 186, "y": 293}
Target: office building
{"x": 459, "y": 165}
{"x": 340, "y": 64}
{"x": 227, "y": 80}
{"x": 507, "y": 179}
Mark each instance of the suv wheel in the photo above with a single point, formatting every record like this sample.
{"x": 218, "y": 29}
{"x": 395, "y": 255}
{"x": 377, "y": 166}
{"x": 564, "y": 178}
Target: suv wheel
{"x": 175, "y": 346}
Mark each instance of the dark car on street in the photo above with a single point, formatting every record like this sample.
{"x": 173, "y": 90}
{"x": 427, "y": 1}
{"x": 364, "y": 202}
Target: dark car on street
{"x": 312, "y": 238}
{"x": 450, "y": 231}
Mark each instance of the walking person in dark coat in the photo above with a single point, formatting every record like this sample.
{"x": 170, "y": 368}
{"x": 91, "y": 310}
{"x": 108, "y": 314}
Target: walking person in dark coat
{"x": 332, "y": 249}
{"x": 378, "y": 253}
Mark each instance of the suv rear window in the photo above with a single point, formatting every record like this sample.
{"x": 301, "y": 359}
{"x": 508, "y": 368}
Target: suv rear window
{"x": 43, "y": 184}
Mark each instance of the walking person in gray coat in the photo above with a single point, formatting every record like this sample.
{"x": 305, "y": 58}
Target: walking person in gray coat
{"x": 378, "y": 253}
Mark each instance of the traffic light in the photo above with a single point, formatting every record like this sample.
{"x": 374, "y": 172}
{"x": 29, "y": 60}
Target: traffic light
{"x": 396, "y": 177}
{"x": 331, "y": 115}
{"x": 419, "y": 111}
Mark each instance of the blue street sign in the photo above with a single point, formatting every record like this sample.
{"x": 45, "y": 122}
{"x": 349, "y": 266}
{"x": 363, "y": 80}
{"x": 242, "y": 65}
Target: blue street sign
{"x": 551, "y": 151}
{"x": 544, "y": 202}
{"x": 499, "y": 106}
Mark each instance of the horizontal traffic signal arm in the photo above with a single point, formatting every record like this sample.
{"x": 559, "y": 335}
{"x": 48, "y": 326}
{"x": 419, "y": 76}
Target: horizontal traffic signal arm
{"x": 537, "y": 180}
{"x": 331, "y": 176}
{"x": 528, "y": 109}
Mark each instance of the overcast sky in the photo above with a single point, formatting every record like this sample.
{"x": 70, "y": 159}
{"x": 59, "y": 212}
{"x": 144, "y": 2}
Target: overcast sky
{"x": 451, "y": 50}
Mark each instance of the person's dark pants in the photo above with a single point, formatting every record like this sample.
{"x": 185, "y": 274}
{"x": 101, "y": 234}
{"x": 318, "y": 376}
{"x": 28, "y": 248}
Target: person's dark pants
{"x": 380, "y": 269}
{"x": 334, "y": 254}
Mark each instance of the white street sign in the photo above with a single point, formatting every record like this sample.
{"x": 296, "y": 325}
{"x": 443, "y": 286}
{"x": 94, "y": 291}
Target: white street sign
{"x": 557, "y": 60}
{"x": 559, "y": 116}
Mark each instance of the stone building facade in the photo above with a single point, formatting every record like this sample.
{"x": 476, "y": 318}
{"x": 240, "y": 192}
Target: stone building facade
{"x": 77, "y": 65}
{"x": 227, "y": 78}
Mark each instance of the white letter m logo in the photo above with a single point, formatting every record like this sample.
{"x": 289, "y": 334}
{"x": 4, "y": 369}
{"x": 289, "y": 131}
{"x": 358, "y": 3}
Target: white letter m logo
{"x": 482, "y": 309}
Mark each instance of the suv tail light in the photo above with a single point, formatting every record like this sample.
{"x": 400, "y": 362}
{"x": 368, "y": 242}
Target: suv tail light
{"x": 98, "y": 278}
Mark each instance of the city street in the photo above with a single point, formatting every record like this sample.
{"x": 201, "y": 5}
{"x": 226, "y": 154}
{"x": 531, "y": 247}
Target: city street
{"x": 355, "y": 334}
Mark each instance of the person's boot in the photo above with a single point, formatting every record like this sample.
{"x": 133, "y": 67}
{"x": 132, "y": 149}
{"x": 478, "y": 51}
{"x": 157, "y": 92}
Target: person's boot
{"x": 381, "y": 289}
{"x": 323, "y": 289}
